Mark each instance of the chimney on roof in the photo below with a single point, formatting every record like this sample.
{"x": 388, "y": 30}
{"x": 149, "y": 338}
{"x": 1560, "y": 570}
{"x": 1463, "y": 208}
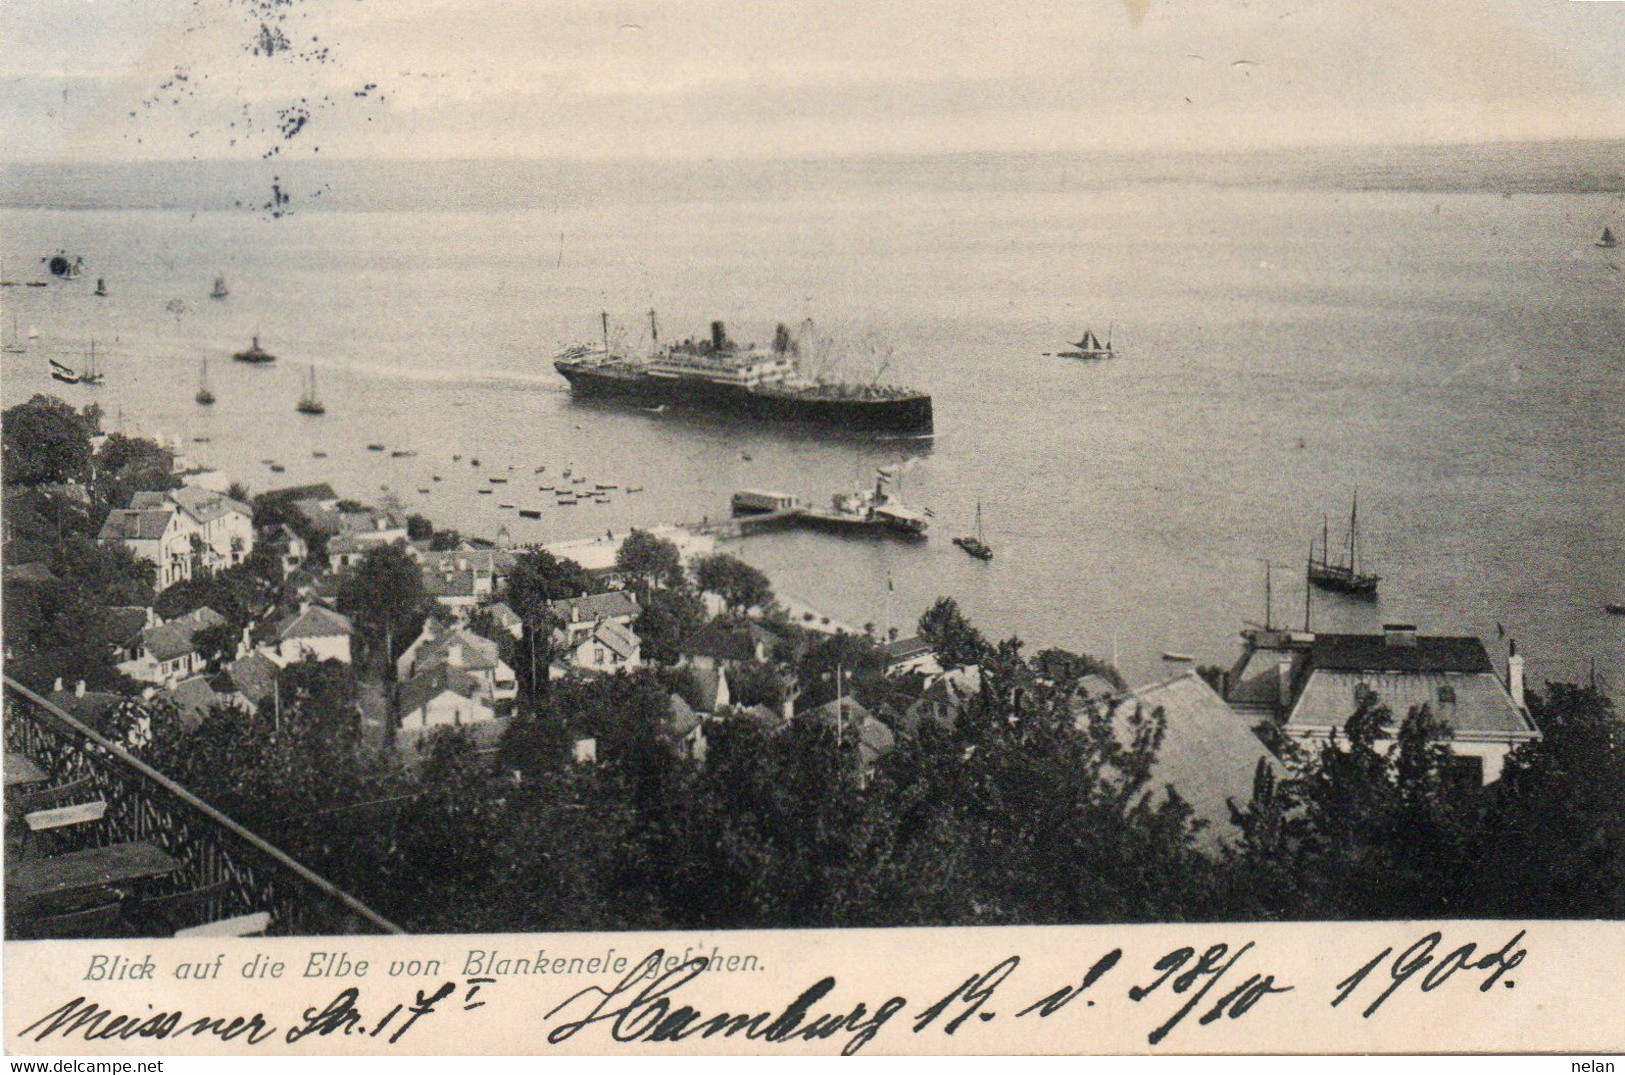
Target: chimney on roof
{"x": 1283, "y": 682}
{"x": 79, "y": 689}
{"x": 1515, "y": 674}
{"x": 1399, "y": 634}
{"x": 56, "y": 688}
{"x": 454, "y": 655}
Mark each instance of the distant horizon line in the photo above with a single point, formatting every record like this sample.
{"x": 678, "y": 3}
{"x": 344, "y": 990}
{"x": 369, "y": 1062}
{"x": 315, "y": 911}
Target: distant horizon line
{"x": 890, "y": 155}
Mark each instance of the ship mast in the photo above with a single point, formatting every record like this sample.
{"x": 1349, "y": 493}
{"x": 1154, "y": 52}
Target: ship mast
{"x": 1354, "y": 530}
{"x": 603, "y": 316}
{"x": 654, "y": 330}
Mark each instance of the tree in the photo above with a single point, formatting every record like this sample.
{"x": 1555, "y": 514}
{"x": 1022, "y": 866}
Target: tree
{"x": 652, "y": 561}
{"x": 665, "y": 619}
{"x": 740, "y": 586}
{"x": 45, "y": 440}
{"x": 540, "y": 578}
{"x": 216, "y": 644}
{"x": 239, "y": 492}
{"x": 419, "y": 528}
{"x": 382, "y": 594}
{"x": 125, "y": 466}
{"x": 442, "y": 540}
{"x": 950, "y": 635}
{"x": 1553, "y": 843}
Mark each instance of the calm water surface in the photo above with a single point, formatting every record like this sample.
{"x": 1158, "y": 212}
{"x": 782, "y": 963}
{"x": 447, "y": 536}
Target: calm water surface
{"x": 1459, "y": 358}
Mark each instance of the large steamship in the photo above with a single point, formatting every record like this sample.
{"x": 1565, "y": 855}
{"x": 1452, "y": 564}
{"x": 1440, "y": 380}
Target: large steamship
{"x": 717, "y": 374}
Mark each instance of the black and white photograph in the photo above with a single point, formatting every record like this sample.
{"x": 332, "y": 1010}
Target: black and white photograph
{"x": 695, "y": 466}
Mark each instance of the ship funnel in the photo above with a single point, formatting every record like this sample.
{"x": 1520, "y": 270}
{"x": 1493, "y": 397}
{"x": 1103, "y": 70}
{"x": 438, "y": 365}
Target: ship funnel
{"x": 719, "y": 335}
{"x": 781, "y": 339}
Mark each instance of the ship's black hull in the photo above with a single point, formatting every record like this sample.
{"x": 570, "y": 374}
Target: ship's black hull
{"x": 909, "y": 415}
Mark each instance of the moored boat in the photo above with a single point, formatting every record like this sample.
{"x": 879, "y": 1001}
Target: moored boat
{"x": 1343, "y": 576}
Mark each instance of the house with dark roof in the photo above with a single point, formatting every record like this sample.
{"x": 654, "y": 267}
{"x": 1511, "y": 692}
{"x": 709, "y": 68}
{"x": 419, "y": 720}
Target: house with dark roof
{"x": 162, "y": 536}
{"x": 721, "y": 644}
{"x": 1209, "y": 755}
{"x": 122, "y": 627}
{"x": 443, "y": 697}
{"x": 456, "y": 647}
{"x": 289, "y": 548}
{"x": 168, "y": 652}
{"x": 577, "y": 616}
{"x": 852, "y": 723}
{"x": 506, "y": 618}
{"x": 314, "y": 631}
{"x": 1308, "y": 683}
{"x": 224, "y": 527}
{"x": 193, "y": 700}
{"x": 911, "y": 655}
{"x": 249, "y": 681}
{"x": 605, "y": 648}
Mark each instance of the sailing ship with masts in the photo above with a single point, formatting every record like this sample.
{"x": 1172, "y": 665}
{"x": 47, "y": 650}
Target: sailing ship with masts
{"x": 92, "y": 373}
{"x": 1344, "y": 576}
{"x": 975, "y": 545}
{"x": 205, "y": 395}
{"x": 1090, "y": 347}
{"x": 310, "y": 403}
{"x": 220, "y": 291}
{"x": 1607, "y": 242}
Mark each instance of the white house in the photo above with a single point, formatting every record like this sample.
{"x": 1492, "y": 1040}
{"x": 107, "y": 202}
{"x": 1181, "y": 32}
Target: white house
{"x": 161, "y": 536}
{"x": 577, "y": 616}
{"x": 443, "y": 698}
{"x": 1309, "y": 684}
{"x": 313, "y": 631}
{"x": 605, "y": 647}
{"x": 168, "y": 652}
{"x": 461, "y": 650}
{"x": 224, "y": 526}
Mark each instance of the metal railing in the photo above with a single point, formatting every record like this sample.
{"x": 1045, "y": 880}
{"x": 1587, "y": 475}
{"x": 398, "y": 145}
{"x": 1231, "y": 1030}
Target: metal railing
{"x": 248, "y": 874}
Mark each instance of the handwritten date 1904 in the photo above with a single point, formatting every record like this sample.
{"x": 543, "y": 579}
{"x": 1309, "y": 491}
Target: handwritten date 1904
{"x": 1419, "y": 957}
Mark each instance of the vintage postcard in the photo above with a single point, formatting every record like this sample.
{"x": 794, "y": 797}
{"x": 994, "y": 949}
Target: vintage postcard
{"x": 706, "y": 526}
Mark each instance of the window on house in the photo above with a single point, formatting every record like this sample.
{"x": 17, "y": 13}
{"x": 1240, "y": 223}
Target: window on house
{"x": 1464, "y": 773}
{"x": 1447, "y": 694}
{"x": 598, "y": 655}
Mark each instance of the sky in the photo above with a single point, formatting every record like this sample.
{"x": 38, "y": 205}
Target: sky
{"x": 91, "y": 80}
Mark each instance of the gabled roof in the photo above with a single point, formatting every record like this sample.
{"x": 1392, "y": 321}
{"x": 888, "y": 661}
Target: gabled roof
{"x": 448, "y": 584}
{"x": 618, "y": 639}
{"x": 192, "y": 698}
{"x": 89, "y": 707}
{"x": 905, "y": 649}
{"x": 478, "y": 654}
{"x": 425, "y": 687}
{"x": 766, "y": 718}
{"x": 683, "y": 719}
{"x": 135, "y": 524}
{"x": 174, "y": 639}
{"x": 1209, "y": 755}
{"x": 202, "y": 505}
{"x": 253, "y": 677}
{"x": 1376, "y": 653}
{"x": 313, "y": 622}
{"x": 597, "y": 606}
{"x": 124, "y": 625}
{"x": 874, "y": 738}
{"x": 730, "y": 642}
{"x": 503, "y": 616}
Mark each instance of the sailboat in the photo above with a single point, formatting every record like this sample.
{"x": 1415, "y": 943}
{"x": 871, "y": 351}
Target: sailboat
{"x": 1607, "y": 242}
{"x": 220, "y": 290}
{"x": 101, "y": 288}
{"x": 1344, "y": 576}
{"x": 1090, "y": 347}
{"x": 308, "y": 403}
{"x": 92, "y": 373}
{"x": 204, "y": 395}
{"x": 14, "y": 342}
{"x": 975, "y": 546}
